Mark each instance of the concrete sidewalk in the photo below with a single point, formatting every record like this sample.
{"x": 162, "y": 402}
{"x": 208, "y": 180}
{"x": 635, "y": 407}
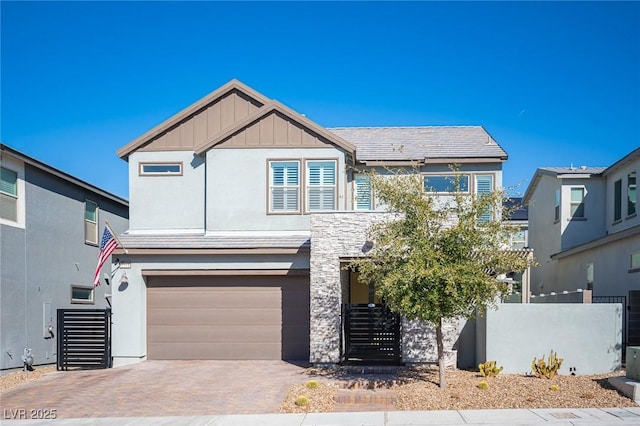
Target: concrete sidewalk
{"x": 548, "y": 416}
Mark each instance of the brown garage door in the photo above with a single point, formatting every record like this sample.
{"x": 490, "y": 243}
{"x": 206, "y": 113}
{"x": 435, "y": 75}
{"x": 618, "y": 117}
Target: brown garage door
{"x": 228, "y": 317}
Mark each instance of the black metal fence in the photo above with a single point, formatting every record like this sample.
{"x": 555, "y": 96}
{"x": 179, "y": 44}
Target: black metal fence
{"x": 371, "y": 334}
{"x": 84, "y": 338}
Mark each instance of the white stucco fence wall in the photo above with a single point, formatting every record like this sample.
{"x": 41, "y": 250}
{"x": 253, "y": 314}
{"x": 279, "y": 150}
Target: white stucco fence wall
{"x": 587, "y": 336}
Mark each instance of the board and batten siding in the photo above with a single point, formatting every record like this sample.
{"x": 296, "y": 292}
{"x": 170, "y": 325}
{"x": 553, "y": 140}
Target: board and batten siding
{"x": 204, "y": 124}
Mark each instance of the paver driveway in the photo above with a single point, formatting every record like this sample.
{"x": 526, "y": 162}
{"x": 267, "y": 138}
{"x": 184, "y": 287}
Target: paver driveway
{"x": 160, "y": 388}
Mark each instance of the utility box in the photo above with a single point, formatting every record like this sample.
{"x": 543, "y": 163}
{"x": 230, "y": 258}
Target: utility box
{"x": 633, "y": 362}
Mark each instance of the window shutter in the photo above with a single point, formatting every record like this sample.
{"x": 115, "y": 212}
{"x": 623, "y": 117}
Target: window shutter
{"x": 321, "y": 185}
{"x": 363, "y": 192}
{"x": 484, "y": 185}
{"x": 8, "y": 182}
{"x": 284, "y": 185}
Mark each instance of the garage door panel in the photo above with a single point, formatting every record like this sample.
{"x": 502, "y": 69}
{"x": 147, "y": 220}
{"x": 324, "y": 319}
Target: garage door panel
{"x": 228, "y": 317}
{"x": 223, "y": 351}
{"x": 213, "y": 316}
{"x": 214, "y": 298}
{"x": 213, "y": 334}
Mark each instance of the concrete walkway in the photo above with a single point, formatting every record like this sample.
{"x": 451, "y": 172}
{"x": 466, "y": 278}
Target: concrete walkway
{"x": 540, "y": 417}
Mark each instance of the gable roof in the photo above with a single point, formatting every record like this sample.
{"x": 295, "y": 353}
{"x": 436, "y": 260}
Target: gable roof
{"x": 560, "y": 172}
{"x": 275, "y": 106}
{"x": 421, "y": 143}
{"x": 189, "y": 111}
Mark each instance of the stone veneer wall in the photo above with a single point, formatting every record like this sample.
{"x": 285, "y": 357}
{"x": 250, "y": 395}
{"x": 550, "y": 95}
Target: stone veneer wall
{"x": 337, "y": 235}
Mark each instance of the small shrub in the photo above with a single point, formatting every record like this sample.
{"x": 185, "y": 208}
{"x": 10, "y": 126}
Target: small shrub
{"x": 554, "y": 387}
{"x": 547, "y": 369}
{"x": 312, "y": 384}
{"x": 302, "y": 401}
{"x": 489, "y": 369}
{"x": 483, "y": 385}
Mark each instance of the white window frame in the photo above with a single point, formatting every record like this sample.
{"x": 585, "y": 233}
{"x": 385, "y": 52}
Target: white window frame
{"x": 448, "y": 176}
{"x": 88, "y": 223}
{"x": 362, "y": 192}
{"x": 82, "y": 301}
{"x": 145, "y": 168}
{"x": 634, "y": 262}
{"x": 556, "y": 205}
{"x": 286, "y": 186}
{"x": 322, "y": 186}
{"x": 617, "y": 200}
{"x": 576, "y": 204}
{"x": 632, "y": 194}
{"x": 10, "y": 197}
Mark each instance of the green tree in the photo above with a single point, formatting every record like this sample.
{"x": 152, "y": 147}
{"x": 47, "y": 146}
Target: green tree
{"x": 438, "y": 256}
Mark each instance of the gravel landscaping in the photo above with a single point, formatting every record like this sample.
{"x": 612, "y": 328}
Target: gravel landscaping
{"x": 417, "y": 389}
{"x": 16, "y": 378}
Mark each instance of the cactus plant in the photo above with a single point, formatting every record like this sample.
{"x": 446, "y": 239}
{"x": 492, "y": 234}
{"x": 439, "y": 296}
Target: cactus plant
{"x": 489, "y": 369}
{"x": 312, "y": 384}
{"x": 549, "y": 368}
{"x": 302, "y": 401}
{"x": 554, "y": 387}
{"x": 483, "y": 385}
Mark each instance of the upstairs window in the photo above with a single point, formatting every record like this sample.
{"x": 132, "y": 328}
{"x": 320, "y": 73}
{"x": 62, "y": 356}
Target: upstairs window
{"x": 632, "y": 196}
{"x": 577, "y": 203}
{"x": 556, "y": 208}
{"x": 8, "y": 194}
{"x": 284, "y": 186}
{"x": 90, "y": 222}
{"x": 321, "y": 185}
{"x": 635, "y": 261}
{"x": 446, "y": 184}
{"x": 363, "y": 199}
{"x": 617, "y": 200}
{"x": 484, "y": 185}
{"x": 160, "y": 169}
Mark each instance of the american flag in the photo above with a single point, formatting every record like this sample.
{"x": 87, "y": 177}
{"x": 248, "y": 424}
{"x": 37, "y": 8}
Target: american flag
{"x": 107, "y": 246}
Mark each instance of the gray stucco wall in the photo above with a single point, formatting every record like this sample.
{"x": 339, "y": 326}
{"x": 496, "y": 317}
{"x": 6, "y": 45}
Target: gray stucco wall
{"x": 40, "y": 262}
{"x": 343, "y": 235}
{"x": 587, "y": 336}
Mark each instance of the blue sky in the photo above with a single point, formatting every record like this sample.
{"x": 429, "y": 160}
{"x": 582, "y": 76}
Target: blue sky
{"x": 554, "y": 83}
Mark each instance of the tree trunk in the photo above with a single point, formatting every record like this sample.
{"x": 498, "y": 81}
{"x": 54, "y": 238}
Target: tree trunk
{"x": 440, "y": 345}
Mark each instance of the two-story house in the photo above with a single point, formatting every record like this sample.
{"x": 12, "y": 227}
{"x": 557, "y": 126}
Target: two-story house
{"x": 585, "y": 231}
{"x": 50, "y": 225}
{"x": 243, "y": 213}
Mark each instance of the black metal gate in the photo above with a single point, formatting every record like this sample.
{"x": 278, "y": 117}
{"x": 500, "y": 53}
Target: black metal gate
{"x": 625, "y": 326}
{"x": 84, "y": 338}
{"x": 371, "y": 334}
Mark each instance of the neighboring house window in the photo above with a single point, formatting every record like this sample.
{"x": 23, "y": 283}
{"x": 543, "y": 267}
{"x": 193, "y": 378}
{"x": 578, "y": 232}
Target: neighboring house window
{"x": 635, "y": 261}
{"x": 445, "y": 184}
{"x": 82, "y": 294}
{"x": 519, "y": 240}
{"x": 160, "y": 169}
{"x": 363, "y": 199}
{"x": 617, "y": 200}
{"x": 484, "y": 185}
{"x": 284, "y": 186}
{"x": 577, "y": 203}
{"x": 8, "y": 194}
{"x": 632, "y": 196}
{"x": 556, "y": 208}
{"x": 90, "y": 222}
{"x": 321, "y": 185}
{"x": 590, "y": 276}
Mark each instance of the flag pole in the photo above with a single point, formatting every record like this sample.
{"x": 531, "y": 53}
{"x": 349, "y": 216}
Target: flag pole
{"x": 115, "y": 236}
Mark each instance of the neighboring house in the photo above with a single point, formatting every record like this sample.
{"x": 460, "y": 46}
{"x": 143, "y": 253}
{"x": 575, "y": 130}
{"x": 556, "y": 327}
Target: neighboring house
{"x": 50, "y": 225}
{"x": 585, "y": 231}
{"x": 518, "y": 216}
{"x": 243, "y": 213}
